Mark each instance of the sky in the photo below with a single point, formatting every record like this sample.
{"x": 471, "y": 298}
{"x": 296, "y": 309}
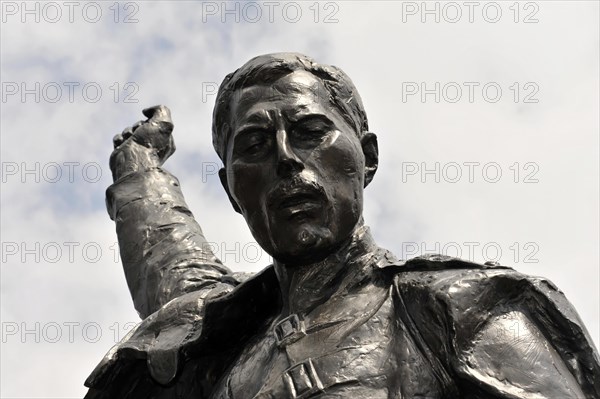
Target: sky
{"x": 487, "y": 115}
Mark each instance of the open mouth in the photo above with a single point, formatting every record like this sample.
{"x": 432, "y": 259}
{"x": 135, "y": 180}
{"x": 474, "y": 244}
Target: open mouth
{"x": 298, "y": 200}
{"x": 300, "y": 203}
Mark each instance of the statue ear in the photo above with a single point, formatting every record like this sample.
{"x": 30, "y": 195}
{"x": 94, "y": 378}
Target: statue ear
{"x": 223, "y": 178}
{"x": 369, "y": 146}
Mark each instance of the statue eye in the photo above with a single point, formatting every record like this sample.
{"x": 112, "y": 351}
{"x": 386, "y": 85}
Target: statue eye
{"x": 311, "y": 132}
{"x": 314, "y": 132}
{"x": 252, "y": 145}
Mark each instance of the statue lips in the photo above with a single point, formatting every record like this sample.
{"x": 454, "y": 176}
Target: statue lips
{"x": 296, "y": 200}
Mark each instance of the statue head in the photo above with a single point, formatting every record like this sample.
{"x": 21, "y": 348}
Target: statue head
{"x": 293, "y": 137}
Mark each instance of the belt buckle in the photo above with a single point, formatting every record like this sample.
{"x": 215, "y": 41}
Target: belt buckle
{"x": 289, "y": 330}
{"x": 302, "y": 380}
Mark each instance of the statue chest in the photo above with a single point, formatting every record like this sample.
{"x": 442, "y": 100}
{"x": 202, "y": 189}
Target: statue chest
{"x": 342, "y": 350}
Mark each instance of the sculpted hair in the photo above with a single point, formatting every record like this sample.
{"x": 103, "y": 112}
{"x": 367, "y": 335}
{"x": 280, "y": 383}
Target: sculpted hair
{"x": 268, "y": 68}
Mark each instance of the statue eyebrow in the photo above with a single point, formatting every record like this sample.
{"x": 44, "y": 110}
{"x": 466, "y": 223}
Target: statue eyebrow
{"x": 311, "y": 117}
{"x": 257, "y": 117}
{"x": 257, "y": 120}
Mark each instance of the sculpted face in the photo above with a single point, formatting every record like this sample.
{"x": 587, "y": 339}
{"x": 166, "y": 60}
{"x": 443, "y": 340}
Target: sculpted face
{"x": 295, "y": 168}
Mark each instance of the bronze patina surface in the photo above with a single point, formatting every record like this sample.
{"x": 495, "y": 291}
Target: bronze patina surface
{"x": 335, "y": 316}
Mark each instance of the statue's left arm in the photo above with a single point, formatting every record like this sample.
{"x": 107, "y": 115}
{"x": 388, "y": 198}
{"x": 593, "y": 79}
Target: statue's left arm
{"x": 501, "y": 334}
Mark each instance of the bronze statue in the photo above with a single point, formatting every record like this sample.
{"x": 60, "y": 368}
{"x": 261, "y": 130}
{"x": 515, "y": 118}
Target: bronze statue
{"x": 334, "y": 316}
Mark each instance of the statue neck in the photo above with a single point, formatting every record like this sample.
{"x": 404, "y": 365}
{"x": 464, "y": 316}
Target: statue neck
{"x": 303, "y": 287}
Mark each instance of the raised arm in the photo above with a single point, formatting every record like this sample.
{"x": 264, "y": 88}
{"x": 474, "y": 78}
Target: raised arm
{"x": 170, "y": 270}
{"x": 163, "y": 250}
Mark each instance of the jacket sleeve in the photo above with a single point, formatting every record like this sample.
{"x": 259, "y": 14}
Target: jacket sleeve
{"x": 171, "y": 273}
{"x": 498, "y": 333}
{"x": 163, "y": 250}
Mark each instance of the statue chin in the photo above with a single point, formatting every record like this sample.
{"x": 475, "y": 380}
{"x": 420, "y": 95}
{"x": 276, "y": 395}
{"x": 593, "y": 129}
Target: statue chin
{"x": 307, "y": 243}
{"x": 309, "y": 235}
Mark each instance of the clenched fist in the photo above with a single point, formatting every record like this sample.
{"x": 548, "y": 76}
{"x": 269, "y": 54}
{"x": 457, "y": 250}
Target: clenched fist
{"x": 145, "y": 145}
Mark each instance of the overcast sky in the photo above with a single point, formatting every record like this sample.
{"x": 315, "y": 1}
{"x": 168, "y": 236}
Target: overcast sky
{"x": 487, "y": 117}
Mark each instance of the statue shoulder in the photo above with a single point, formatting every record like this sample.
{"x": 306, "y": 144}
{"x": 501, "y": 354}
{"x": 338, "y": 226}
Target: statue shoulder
{"x": 443, "y": 275}
{"x": 470, "y": 314}
{"x": 469, "y": 293}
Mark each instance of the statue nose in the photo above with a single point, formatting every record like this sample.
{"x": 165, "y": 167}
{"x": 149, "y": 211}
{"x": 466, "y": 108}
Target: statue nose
{"x": 288, "y": 162}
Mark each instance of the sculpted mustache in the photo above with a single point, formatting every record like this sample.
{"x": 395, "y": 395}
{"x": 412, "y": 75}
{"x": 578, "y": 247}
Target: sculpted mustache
{"x": 296, "y": 185}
